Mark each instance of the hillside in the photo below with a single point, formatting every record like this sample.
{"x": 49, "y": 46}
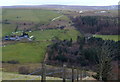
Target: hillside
{"x": 68, "y": 7}
{"x": 27, "y": 19}
{"x": 59, "y": 37}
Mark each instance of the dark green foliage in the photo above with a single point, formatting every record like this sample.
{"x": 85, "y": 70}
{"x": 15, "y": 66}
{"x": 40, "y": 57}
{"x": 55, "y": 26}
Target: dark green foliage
{"x": 61, "y": 57}
{"x": 89, "y": 20}
{"x": 90, "y": 54}
{"x": 81, "y": 42}
{"x": 83, "y": 54}
{"x": 16, "y": 28}
{"x": 118, "y": 51}
{"x": 97, "y": 24}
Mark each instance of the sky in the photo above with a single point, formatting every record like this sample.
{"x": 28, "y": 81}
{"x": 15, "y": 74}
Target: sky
{"x": 59, "y": 2}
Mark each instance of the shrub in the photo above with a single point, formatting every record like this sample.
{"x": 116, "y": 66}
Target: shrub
{"x": 3, "y": 61}
{"x": 23, "y": 70}
{"x": 13, "y": 62}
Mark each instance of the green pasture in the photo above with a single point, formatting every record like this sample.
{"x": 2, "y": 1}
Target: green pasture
{"x": 8, "y": 29}
{"x": 108, "y": 37}
{"x": 37, "y": 16}
{"x": 30, "y": 52}
{"x": 32, "y": 15}
{"x": 50, "y": 34}
{"x": 34, "y": 52}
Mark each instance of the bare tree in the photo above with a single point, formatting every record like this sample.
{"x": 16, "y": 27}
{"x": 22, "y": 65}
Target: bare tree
{"x": 104, "y": 62}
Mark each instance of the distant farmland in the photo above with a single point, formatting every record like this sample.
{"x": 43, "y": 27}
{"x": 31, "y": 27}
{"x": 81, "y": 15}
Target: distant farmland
{"x": 32, "y": 52}
{"x": 21, "y": 17}
{"x": 30, "y": 15}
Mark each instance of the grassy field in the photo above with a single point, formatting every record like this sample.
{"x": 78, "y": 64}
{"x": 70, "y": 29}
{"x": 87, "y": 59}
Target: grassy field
{"x": 33, "y": 15}
{"x": 109, "y": 37}
{"x": 33, "y": 52}
{"x": 50, "y": 34}
{"x": 8, "y": 29}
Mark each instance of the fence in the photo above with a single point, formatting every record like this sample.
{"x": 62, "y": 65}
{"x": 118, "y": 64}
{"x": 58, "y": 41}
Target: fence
{"x": 66, "y": 74}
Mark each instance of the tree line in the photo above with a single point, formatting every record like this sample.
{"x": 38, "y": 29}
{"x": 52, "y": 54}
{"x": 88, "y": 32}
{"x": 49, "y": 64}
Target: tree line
{"x": 85, "y": 52}
{"x": 97, "y": 24}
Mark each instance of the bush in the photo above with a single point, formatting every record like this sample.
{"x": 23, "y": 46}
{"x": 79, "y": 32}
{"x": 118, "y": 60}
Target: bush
{"x": 13, "y": 62}
{"x": 3, "y": 62}
{"x": 23, "y": 70}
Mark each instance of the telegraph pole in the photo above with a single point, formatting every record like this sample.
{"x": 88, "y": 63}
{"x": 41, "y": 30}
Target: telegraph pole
{"x": 43, "y": 79}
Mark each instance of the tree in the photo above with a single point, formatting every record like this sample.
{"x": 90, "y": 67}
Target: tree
{"x": 16, "y": 28}
{"x": 81, "y": 41}
{"x": 104, "y": 62}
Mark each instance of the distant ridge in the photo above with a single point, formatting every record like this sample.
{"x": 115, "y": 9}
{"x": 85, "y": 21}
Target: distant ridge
{"x": 73, "y": 7}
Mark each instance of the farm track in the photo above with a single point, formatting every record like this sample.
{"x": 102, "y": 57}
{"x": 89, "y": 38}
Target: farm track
{"x": 57, "y": 17}
{"x": 13, "y": 42}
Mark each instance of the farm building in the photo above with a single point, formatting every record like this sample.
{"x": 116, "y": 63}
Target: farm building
{"x": 24, "y": 36}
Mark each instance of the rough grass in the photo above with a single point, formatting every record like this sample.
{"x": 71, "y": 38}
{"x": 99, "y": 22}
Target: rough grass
{"x": 10, "y": 76}
{"x": 109, "y": 37}
{"x": 8, "y": 29}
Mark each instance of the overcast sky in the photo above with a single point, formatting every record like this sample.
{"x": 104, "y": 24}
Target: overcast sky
{"x": 60, "y": 2}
